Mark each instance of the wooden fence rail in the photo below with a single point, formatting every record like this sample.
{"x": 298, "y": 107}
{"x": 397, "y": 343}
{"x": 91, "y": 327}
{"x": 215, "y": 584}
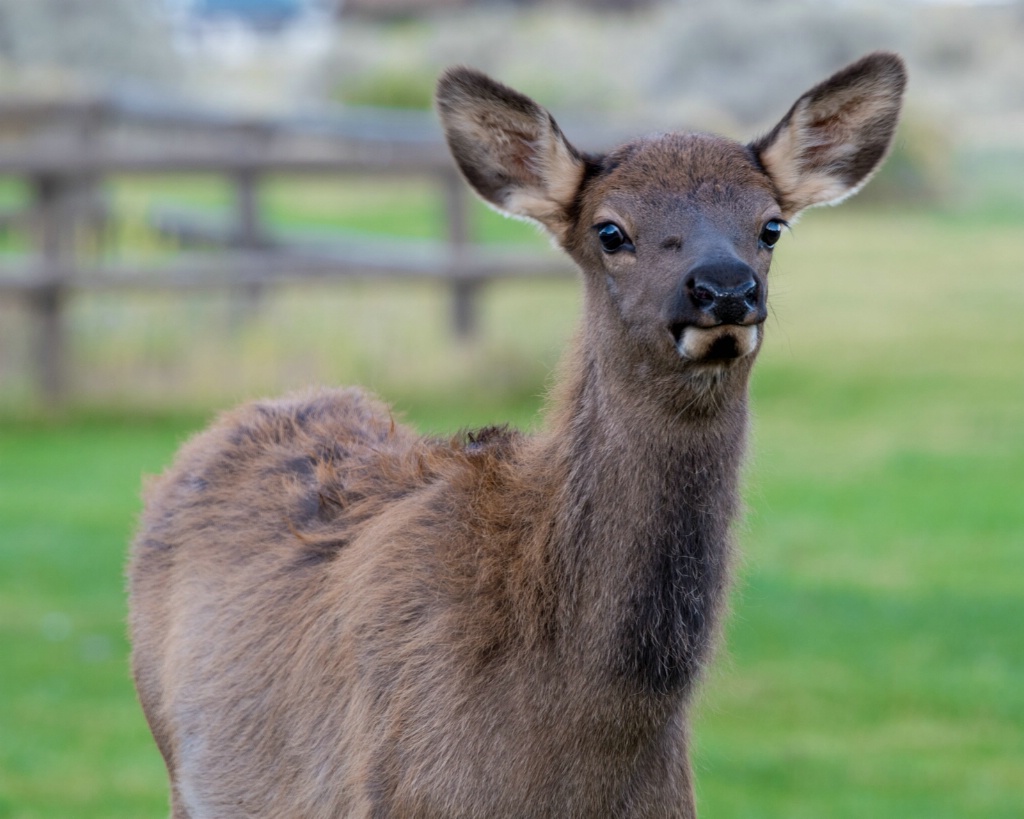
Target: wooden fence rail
{"x": 65, "y": 150}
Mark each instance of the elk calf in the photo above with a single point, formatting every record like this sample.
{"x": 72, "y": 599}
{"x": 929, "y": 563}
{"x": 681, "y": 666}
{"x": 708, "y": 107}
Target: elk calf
{"x": 334, "y": 617}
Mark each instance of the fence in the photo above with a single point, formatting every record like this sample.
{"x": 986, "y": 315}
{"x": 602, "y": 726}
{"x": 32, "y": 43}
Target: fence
{"x": 65, "y": 150}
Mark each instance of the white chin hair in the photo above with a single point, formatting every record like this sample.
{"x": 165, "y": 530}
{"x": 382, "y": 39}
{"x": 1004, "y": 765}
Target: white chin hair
{"x": 698, "y": 343}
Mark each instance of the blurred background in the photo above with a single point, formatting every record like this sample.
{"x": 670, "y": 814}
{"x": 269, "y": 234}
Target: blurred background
{"x": 203, "y": 201}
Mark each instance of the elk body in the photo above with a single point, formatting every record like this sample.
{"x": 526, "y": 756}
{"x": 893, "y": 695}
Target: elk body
{"x": 333, "y": 617}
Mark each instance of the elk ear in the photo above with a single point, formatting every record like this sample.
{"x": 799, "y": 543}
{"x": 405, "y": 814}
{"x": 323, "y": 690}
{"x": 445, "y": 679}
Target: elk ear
{"x": 509, "y": 148}
{"x": 836, "y": 135}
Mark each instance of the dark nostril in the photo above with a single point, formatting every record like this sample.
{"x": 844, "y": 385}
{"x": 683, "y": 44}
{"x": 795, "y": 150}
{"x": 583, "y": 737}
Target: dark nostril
{"x": 703, "y": 296}
{"x": 751, "y": 294}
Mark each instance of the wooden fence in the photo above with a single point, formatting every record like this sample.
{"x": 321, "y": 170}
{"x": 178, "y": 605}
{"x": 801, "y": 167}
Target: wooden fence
{"x": 65, "y": 150}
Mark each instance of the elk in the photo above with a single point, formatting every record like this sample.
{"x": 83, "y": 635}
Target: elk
{"x": 332, "y": 616}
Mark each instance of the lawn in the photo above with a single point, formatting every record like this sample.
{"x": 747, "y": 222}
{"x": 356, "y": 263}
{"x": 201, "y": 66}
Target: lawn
{"x": 874, "y": 661}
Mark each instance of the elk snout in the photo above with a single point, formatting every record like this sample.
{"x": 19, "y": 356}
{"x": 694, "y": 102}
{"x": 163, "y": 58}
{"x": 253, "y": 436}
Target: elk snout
{"x": 723, "y": 292}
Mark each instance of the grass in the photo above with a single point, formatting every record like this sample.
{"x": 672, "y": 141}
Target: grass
{"x": 874, "y": 662}
{"x": 70, "y": 744}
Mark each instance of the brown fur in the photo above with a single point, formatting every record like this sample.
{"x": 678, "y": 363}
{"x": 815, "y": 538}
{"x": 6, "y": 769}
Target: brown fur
{"x": 334, "y": 617}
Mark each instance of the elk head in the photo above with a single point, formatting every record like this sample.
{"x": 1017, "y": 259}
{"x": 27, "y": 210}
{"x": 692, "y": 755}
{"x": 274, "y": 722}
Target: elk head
{"x": 673, "y": 232}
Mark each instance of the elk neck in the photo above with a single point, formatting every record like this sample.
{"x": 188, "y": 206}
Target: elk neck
{"x": 642, "y": 489}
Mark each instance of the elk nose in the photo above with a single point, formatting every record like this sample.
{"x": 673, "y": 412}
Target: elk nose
{"x": 726, "y": 292}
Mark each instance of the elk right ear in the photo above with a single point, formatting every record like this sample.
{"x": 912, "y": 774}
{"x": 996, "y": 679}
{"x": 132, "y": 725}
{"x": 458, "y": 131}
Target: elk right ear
{"x": 836, "y": 135}
{"x": 509, "y": 148}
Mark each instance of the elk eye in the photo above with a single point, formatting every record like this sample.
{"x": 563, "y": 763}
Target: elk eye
{"x": 772, "y": 232}
{"x": 613, "y": 238}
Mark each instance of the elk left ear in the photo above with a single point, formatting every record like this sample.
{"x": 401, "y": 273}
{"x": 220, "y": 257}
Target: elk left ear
{"x": 509, "y": 148}
{"x": 836, "y": 135}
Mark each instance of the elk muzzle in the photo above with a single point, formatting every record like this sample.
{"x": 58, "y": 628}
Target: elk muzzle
{"x": 723, "y": 292}
{"x": 717, "y": 310}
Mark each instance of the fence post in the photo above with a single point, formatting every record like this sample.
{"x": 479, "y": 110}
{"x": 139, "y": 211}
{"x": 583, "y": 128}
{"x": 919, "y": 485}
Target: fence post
{"x": 55, "y": 245}
{"x": 465, "y": 292}
{"x": 62, "y": 202}
{"x": 247, "y": 204}
{"x": 248, "y": 236}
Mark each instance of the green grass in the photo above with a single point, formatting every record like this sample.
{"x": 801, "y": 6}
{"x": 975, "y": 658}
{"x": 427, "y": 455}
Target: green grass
{"x": 874, "y": 662}
{"x": 71, "y": 742}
